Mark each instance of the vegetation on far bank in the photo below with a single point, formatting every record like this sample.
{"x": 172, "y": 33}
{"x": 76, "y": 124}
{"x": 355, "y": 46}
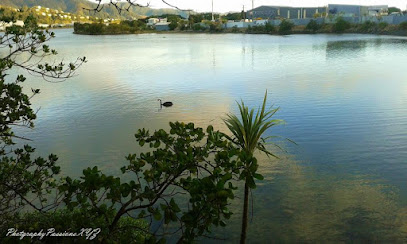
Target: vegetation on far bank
{"x": 206, "y": 26}
{"x": 124, "y": 27}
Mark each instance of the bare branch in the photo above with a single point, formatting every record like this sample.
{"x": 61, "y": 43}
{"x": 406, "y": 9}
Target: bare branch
{"x": 119, "y": 5}
{"x": 173, "y": 6}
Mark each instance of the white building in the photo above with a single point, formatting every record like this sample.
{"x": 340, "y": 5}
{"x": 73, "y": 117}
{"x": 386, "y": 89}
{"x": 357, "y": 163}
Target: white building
{"x": 378, "y": 10}
{"x": 152, "y": 21}
{"x": 19, "y": 23}
{"x": 43, "y": 25}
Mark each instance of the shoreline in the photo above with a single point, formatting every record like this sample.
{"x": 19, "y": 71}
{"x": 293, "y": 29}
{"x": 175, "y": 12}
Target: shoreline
{"x": 384, "y": 33}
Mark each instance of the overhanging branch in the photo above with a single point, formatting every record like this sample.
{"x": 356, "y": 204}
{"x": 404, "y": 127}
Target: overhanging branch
{"x": 126, "y": 5}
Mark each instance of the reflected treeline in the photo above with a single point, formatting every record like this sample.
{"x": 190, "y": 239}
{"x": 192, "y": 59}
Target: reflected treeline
{"x": 356, "y": 47}
{"x": 340, "y": 209}
{"x": 339, "y": 48}
{"x": 298, "y": 204}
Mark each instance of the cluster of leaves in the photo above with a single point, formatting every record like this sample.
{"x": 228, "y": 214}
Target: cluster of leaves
{"x": 285, "y": 27}
{"x": 341, "y": 25}
{"x": 198, "y": 166}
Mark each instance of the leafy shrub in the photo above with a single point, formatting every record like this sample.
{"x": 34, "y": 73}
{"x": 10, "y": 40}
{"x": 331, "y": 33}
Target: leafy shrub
{"x": 215, "y": 27}
{"x": 383, "y": 25}
{"x": 368, "y": 26}
{"x": 261, "y": 29}
{"x": 249, "y": 29}
{"x": 340, "y": 26}
{"x": 269, "y": 27}
{"x": 313, "y": 26}
{"x": 403, "y": 26}
{"x": 198, "y": 27}
{"x": 235, "y": 29}
{"x": 285, "y": 27}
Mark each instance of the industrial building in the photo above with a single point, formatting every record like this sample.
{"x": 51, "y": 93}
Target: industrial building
{"x": 283, "y": 12}
{"x": 274, "y": 12}
{"x": 357, "y": 10}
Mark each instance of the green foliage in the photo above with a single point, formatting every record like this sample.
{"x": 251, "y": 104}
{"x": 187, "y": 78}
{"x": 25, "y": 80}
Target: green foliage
{"x": 368, "y": 26}
{"x": 268, "y": 28}
{"x": 184, "y": 160}
{"x": 313, "y": 26}
{"x": 199, "y": 17}
{"x": 403, "y": 26}
{"x": 382, "y": 25}
{"x": 235, "y": 29}
{"x": 215, "y": 27}
{"x": 248, "y": 130}
{"x": 7, "y": 15}
{"x": 174, "y": 21}
{"x": 195, "y": 19}
{"x": 233, "y": 16}
{"x": 248, "y": 136}
{"x": 340, "y": 26}
{"x": 285, "y": 27}
{"x": 198, "y": 27}
{"x": 183, "y": 24}
{"x": 125, "y": 27}
{"x": 394, "y": 10}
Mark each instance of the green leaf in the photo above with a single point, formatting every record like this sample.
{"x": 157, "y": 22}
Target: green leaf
{"x": 258, "y": 176}
{"x": 142, "y": 142}
{"x": 157, "y": 215}
{"x": 250, "y": 182}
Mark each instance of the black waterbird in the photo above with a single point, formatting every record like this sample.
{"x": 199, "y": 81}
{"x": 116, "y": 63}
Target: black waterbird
{"x": 166, "y": 104}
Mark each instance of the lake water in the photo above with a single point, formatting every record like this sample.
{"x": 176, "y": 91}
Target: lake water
{"x": 344, "y": 98}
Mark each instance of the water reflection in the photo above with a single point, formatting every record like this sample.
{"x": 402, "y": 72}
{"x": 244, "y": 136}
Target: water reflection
{"x": 345, "y": 48}
{"x": 298, "y": 204}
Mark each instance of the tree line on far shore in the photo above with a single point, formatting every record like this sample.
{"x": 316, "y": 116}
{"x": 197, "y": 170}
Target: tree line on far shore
{"x": 202, "y": 23}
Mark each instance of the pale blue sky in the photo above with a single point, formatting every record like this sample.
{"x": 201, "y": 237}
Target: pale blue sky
{"x": 237, "y": 5}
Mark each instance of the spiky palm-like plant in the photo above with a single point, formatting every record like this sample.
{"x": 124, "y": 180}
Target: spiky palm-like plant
{"x": 248, "y": 133}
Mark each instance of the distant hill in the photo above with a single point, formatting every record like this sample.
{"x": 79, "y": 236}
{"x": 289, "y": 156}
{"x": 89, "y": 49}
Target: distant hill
{"x": 76, "y": 7}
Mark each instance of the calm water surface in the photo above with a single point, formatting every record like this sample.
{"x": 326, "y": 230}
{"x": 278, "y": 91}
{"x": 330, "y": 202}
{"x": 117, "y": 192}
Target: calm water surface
{"x": 344, "y": 98}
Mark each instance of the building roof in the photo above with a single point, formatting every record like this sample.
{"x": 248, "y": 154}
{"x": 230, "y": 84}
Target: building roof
{"x": 163, "y": 23}
{"x": 268, "y": 7}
